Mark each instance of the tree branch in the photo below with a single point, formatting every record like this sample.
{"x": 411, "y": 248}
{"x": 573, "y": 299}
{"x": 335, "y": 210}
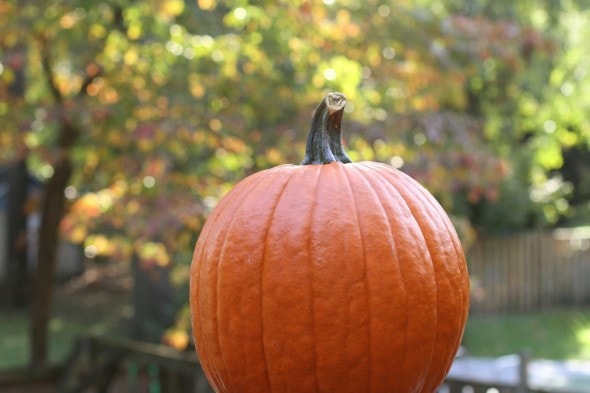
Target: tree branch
{"x": 93, "y": 71}
{"x": 48, "y": 71}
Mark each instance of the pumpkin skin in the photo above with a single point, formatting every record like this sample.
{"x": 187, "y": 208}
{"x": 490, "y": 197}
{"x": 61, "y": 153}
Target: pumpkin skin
{"x": 336, "y": 277}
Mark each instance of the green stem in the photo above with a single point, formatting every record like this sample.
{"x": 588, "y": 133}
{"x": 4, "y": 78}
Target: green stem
{"x": 324, "y": 142}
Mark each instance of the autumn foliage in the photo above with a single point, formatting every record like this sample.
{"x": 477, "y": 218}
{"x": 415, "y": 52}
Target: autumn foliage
{"x": 170, "y": 103}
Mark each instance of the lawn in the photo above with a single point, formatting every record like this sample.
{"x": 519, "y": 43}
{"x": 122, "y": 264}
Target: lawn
{"x": 103, "y": 309}
{"x": 14, "y": 341}
{"x": 97, "y": 303}
{"x": 556, "y": 334}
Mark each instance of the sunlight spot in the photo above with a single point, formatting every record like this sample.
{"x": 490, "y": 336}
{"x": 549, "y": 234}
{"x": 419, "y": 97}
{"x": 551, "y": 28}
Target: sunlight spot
{"x": 71, "y": 192}
{"x": 397, "y": 162}
{"x": 174, "y": 48}
{"x": 79, "y": 13}
{"x": 203, "y": 40}
{"x": 419, "y": 139}
{"x": 240, "y": 13}
{"x": 438, "y": 8}
{"x": 388, "y": 53}
{"x": 539, "y": 17}
{"x": 37, "y": 125}
{"x": 394, "y": 92}
{"x": 149, "y": 182}
{"x": 365, "y": 72}
{"x": 47, "y": 171}
{"x": 41, "y": 113}
{"x": 215, "y": 124}
{"x": 567, "y": 89}
{"x": 176, "y": 30}
{"x": 221, "y": 153}
{"x": 549, "y": 126}
{"x": 380, "y": 114}
{"x": 383, "y": 11}
{"x": 544, "y": 192}
{"x": 561, "y": 205}
{"x": 330, "y": 74}
{"x": 90, "y": 251}
{"x": 217, "y": 56}
{"x": 210, "y": 202}
{"x": 189, "y": 53}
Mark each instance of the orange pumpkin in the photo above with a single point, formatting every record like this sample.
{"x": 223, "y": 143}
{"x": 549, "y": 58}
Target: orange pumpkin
{"x": 328, "y": 277}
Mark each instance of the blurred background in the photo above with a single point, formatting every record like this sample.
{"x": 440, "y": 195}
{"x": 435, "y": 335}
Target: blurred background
{"x": 123, "y": 122}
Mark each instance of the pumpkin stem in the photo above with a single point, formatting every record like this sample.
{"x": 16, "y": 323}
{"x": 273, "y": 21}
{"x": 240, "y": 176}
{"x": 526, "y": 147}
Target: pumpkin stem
{"x": 324, "y": 142}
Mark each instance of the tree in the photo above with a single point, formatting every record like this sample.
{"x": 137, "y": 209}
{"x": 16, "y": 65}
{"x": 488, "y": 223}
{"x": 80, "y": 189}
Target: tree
{"x": 140, "y": 115}
{"x": 534, "y": 117}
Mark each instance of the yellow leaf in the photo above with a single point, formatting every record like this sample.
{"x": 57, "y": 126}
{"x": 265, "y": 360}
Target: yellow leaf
{"x": 154, "y": 252}
{"x": 134, "y": 31}
{"x": 197, "y": 90}
{"x": 176, "y": 338}
{"x": 78, "y": 235}
{"x": 206, "y": 5}
{"x": 172, "y": 7}
{"x": 67, "y": 21}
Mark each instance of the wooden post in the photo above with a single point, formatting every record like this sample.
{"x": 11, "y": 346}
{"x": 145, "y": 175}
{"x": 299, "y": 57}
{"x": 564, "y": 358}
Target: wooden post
{"x": 152, "y": 301}
{"x": 523, "y": 371}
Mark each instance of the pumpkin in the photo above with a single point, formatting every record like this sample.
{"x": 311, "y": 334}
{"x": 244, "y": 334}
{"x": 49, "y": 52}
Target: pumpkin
{"x": 329, "y": 276}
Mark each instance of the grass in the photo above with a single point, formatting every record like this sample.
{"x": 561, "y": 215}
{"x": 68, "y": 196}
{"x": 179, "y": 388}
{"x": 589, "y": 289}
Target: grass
{"x": 556, "y": 334}
{"x": 14, "y": 340}
{"x": 63, "y": 331}
{"x": 102, "y": 307}
{"x": 98, "y": 304}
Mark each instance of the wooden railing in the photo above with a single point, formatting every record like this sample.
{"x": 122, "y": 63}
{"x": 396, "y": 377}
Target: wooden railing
{"x": 102, "y": 365}
{"x": 464, "y": 385}
{"x": 131, "y": 366}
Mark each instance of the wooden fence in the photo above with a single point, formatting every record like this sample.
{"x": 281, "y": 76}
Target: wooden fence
{"x": 531, "y": 271}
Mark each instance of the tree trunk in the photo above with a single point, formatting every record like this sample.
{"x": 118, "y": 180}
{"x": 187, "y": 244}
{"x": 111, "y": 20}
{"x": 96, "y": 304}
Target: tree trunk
{"x": 17, "y": 279}
{"x": 43, "y": 279}
{"x": 53, "y": 209}
{"x": 17, "y": 293}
